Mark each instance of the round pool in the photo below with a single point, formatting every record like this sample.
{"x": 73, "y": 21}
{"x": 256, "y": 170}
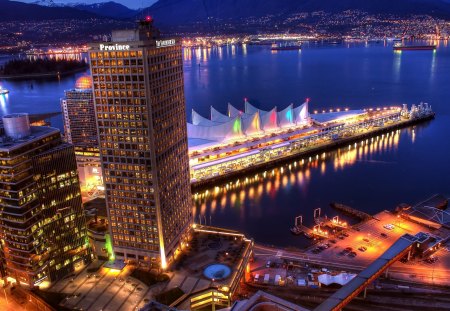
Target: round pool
{"x": 217, "y": 271}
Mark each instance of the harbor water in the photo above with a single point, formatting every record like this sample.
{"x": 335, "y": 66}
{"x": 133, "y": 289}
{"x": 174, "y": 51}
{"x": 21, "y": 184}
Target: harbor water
{"x": 404, "y": 166}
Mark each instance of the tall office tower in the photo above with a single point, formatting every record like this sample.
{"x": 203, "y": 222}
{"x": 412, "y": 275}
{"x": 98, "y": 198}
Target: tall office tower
{"x": 79, "y": 115}
{"x": 141, "y": 121}
{"x": 42, "y": 224}
{"x": 80, "y": 129}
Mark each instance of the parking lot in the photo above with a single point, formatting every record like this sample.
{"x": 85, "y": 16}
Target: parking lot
{"x": 368, "y": 240}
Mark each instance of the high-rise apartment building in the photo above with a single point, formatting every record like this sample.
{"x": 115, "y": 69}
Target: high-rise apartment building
{"x": 42, "y": 224}
{"x": 80, "y": 129}
{"x": 141, "y": 122}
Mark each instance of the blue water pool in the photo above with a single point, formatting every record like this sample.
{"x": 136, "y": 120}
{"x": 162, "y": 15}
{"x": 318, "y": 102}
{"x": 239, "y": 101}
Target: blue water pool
{"x": 217, "y": 271}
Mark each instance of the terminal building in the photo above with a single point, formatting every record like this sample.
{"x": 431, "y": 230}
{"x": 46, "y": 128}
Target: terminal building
{"x": 80, "y": 130}
{"x": 140, "y": 111}
{"x": 241, "y": 139}
{"x": 42, "y": 224}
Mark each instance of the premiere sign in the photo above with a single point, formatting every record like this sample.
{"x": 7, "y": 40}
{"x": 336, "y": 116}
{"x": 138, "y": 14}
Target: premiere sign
{"x": 117, "y": 47}
{"x": 164, "y": 43}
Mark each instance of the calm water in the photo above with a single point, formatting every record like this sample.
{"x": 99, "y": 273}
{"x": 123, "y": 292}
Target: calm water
{"x": 405, "y": 167}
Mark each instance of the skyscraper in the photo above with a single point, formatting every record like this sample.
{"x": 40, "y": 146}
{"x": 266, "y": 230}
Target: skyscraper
{"x": 78, "y": 114}
{"x": 141, "y": 122}
{"x": 42, "y": 224}
{"x": 80, "y": 129}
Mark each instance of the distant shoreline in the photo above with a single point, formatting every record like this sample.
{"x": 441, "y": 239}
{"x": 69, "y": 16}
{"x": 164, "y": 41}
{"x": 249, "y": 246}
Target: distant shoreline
{"x": 42, "y": 75}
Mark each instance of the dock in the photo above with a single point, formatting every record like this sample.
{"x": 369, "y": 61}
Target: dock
{"x": 316, "y": 232}
{"x": 331, "y": 222}
{"x": 351, "y": 211}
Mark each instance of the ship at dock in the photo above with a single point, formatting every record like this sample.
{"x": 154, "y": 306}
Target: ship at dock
{"x": 286, "y": 47}
{"x": 403, "y": 47}
{"x": 3, "y": 91}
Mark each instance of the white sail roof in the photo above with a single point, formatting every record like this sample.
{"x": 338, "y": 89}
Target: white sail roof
{"x": 219, "y": 117}
{"x": 198, "y": 119}
{"x": 234, "y": 112}
{"x": 286, "y": 117}
{"x": 221, "y": 131}
{"x": 301, "y": 113}
{"x": 269, "y": 119}
{"x": 251, "y": 123}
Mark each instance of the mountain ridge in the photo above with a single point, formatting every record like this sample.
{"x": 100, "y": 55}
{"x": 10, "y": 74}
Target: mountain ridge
{"x": 19, "y": 11}
{"x": 175, "y": 12}
{"x": 108, "y": 9}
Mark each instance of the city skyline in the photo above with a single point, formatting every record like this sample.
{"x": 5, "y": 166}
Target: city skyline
{"x": 270, "y": 155}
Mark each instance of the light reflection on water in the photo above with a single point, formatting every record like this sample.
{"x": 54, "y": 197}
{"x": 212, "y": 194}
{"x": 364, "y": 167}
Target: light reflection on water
{"x": 245, "y": 199}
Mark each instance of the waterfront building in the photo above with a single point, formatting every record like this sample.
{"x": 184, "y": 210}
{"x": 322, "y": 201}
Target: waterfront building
{"x": 42, "y": 224}
{"x": 140, "y": 111}
{"x": 247, "y": 139}
{"x": 80, "y": 130}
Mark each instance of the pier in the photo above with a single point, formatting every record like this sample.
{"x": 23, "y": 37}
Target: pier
{"x": 351, "y": 211}
{"x": 316, "y": 232}
{"x": 307, "y": 152}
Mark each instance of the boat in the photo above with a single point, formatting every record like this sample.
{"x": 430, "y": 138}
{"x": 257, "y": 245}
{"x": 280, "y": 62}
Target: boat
{"x": 286, "y": 47}
{"x": 401, "y": 47}
{"x": 3, "y": 91}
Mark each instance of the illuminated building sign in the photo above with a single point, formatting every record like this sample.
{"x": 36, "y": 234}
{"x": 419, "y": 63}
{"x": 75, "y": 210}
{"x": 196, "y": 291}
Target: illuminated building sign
{"x": 164, "y": 43}
{"x": 116, "y": 47}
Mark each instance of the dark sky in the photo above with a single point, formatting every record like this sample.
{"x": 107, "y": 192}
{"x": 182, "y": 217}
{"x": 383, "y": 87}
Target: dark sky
{"x": 134, "y": 4}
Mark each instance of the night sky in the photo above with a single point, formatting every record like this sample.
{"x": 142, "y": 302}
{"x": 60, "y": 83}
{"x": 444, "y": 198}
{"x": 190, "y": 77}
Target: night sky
{"x": 133, "y": 4}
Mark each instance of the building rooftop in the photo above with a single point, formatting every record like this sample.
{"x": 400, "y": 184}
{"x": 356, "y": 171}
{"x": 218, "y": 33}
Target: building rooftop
{"x": 262, "y": 301}
{"x": 214, "y": 259}
{"x": 37, "y": 132}
{"x": 432, "y": 210}
{"x": 95, "y": 207}
{"x": 336, "y": 116}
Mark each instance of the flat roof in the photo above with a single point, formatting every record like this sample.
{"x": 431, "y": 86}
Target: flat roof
{"x": 37, "y": 133}
{"x": 336, "y": 116}
{"x": 433, "y": 209}
{"x": 379, "y": 264}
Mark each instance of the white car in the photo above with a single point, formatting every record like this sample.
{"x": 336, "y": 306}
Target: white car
{"x": 388, "y": 226}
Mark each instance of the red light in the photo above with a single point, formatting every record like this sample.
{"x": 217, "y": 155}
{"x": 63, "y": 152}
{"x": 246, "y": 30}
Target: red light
{"x": 245, "y": 99}
{"x": 148, "y": 18}
{"x": 307, "y": 99}
{"x": 273, "y": 117}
